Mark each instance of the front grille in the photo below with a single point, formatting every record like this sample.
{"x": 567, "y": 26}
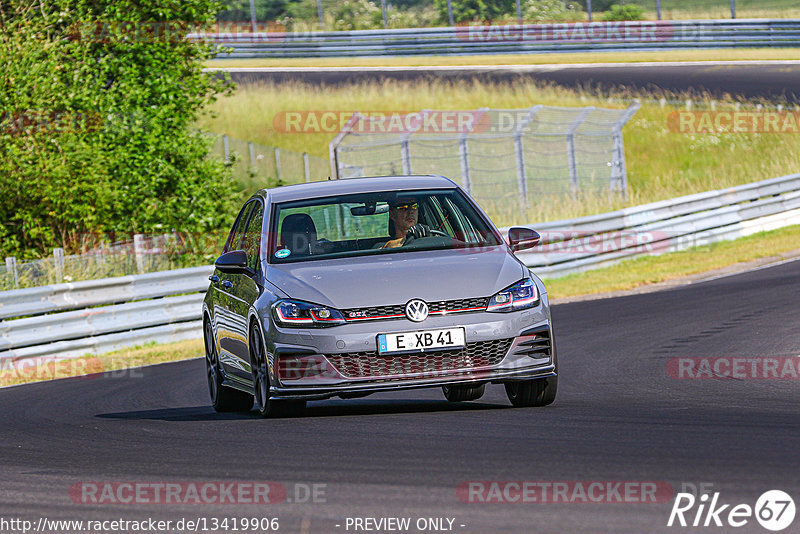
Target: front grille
{"x": 371, "y": 364}
{"x": 378, "y": 313}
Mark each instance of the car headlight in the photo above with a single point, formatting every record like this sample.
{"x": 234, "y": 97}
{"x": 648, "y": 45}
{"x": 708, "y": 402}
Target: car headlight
{"x": 302, "y": 314}
{"x": 521, "y": 295}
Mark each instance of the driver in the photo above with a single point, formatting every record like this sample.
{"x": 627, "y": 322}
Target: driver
{"x": 403, "y": 225}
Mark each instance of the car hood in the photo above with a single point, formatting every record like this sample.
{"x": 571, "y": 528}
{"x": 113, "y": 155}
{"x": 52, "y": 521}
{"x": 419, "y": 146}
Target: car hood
{"x": 389, "y": 279}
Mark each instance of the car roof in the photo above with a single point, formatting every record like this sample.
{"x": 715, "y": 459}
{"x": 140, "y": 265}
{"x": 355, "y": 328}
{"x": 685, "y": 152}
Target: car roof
{"x": 347, "y": 186}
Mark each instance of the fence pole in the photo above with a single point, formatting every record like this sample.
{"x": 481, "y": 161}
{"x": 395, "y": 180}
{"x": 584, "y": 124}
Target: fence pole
{"x": 278, "y": 163}
{"x": 658, "y": 9}
{"x": 306, "y": 167}
{"x": 252, "y": 16}
{"x": 11, "y": 267}
{"x": 450, "y": 13}
{"x": 733, "y": 9}
{"x": 463, "y": 154}
{"x": 138, "y": 249}
{"x": 589, "y": 9}
{"x": 385, "y": 18}
{"x": 405, "y": 154}
{"x": 252, "y": 155}
{"x": 58, "y": 257}
{"x": 573, "y": 164}
{"x": 225, "y": 149}
{"x": 519, "y": 12}
{"x": 319, "y": 14}
{"x": 522, "y": 182}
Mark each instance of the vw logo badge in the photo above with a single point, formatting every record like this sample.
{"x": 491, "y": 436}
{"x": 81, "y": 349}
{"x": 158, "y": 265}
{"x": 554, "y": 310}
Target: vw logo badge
{"x": 417, "y": 310}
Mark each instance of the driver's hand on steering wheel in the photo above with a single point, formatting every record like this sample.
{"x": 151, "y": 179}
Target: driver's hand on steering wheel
{"x": 418, "y": 231}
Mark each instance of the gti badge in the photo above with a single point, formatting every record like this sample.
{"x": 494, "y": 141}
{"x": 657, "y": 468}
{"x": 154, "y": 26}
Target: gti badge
{"x": 417, "y": 310}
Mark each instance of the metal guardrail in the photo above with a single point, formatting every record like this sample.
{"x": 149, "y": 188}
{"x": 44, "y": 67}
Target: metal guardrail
{"x": 95, "y": 316}
{"x": 595, "y": 241}
{"x": 514, "y": 38}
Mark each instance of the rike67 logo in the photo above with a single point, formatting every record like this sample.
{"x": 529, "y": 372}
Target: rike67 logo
{"x": 774, "y": 510}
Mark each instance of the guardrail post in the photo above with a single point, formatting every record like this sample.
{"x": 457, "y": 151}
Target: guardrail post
{"x": 450, "y": 13}
{"x": 733, "y": 9}
{"x": 658, "y": 9}
{"x": 306, "y": 168}
{"x": 58, "y": 262}
{"x": 278, "y": 163}
{"x": 138, "y": 249}
{"x": 11, "y": 267}
{"x": 226, "y": 153}
{"x": 519, "y": 13}
{"x": 385, "y": 18}
{"x": 589, "y": 9}
{"x": 252, "y": 150}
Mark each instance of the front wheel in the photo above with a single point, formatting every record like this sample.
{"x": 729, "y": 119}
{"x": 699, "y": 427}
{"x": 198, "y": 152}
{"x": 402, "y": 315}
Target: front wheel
{"x": 223, "y": 398}
{"x": 266, "y": 406}
{"x": 539, "y": 392}
{"x": 463, "y": 393}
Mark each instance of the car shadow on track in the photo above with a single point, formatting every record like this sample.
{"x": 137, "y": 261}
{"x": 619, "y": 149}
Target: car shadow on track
{"x": 324, "y": 409}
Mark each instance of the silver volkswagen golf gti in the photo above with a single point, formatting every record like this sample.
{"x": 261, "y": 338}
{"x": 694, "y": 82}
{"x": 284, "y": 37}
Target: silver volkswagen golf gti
{"x": 350, "y": 287}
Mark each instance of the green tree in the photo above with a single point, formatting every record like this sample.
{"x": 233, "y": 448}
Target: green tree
{"x": 98, "y": 99}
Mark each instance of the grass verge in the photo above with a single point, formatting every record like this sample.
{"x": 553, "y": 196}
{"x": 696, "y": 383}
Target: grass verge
{"x": 557, "y": 58}
{"x": 36, "y": 370}
{"x": 654, "y": 269}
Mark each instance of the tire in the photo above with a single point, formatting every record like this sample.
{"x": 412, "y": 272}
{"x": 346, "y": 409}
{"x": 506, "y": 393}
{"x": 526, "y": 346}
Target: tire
{"x": 223, "y": 398}
{"x": 463, "y": 393}
{"x": 539, "y": 392}
{"x": 258, "y": 361}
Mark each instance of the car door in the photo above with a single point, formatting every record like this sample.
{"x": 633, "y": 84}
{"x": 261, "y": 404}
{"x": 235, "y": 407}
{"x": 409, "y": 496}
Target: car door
{"x": 227, "y": 325}
{"x": 246, "y": 289}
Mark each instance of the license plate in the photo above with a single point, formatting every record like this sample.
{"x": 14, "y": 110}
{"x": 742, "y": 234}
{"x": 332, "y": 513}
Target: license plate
{"x": 420, "y": 341}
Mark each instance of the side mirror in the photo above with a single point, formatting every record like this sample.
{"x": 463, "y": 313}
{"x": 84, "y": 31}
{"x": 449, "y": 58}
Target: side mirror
{"x": 232, "y": 262}
{"x": 522, "y": 238}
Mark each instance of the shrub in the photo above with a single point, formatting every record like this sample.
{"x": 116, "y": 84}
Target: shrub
{"x": 626, "y": 12}
{"x": 97, "y": 123}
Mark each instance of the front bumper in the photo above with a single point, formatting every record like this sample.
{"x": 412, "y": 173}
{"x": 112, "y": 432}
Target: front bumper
{"x": 528, "y": 353}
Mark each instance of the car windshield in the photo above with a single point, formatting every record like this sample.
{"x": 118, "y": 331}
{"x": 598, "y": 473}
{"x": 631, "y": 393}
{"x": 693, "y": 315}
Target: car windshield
{"x": 376, "y": 223}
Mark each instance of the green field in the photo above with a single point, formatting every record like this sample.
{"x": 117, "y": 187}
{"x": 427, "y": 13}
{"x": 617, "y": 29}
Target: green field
{"x": 661, "y": 163}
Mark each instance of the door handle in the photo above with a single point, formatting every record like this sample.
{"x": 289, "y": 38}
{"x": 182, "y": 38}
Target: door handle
{"x": 227, "y": 284}
{"x": 214, "y": 279}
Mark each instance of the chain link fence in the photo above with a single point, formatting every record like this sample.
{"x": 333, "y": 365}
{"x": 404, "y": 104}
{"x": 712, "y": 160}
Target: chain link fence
{"x": 142, "y": 254}
{"x": 256, "y": 166}
{"x": 501, "y": 157}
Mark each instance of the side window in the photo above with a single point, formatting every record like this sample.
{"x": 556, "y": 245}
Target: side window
{"x": 252, "y": 237}
{"x": 235, "y": 238}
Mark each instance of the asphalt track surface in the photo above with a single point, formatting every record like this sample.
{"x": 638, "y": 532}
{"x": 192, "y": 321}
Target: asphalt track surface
{"x": 774, "y": 81}
{"x": 618, "y": 417}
